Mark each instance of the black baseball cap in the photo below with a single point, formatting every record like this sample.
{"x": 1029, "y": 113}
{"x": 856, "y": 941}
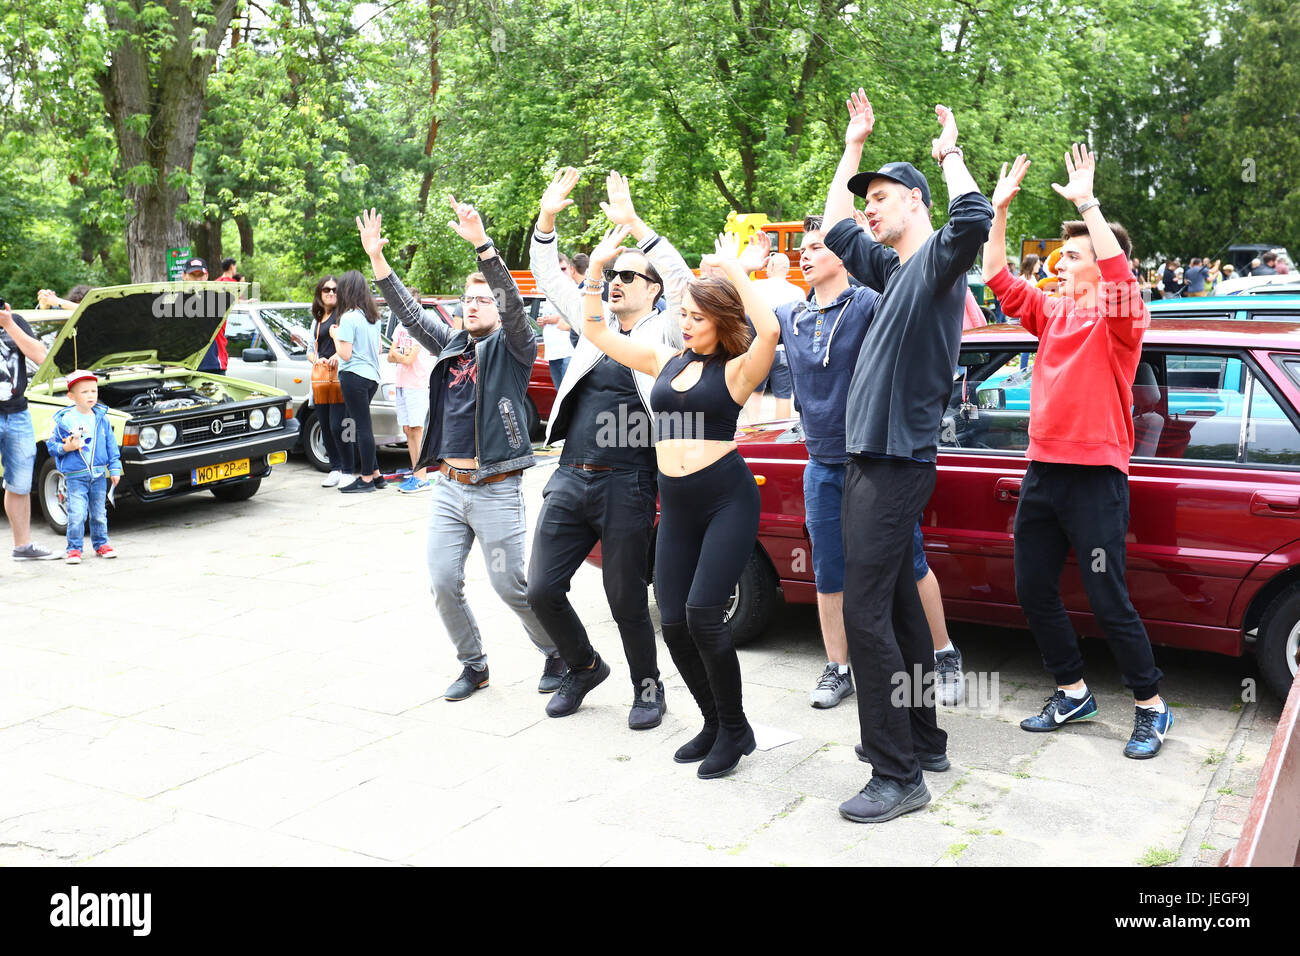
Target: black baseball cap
{"x": 904, "y": 173}
{"x": 195, "y": 264}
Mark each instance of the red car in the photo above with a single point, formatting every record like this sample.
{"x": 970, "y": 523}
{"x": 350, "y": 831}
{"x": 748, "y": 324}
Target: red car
{"x": 1214, "y": 537}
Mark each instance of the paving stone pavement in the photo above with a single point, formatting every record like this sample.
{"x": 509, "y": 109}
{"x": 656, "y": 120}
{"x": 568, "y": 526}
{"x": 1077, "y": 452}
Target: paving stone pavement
{"x": 260, "y": 683}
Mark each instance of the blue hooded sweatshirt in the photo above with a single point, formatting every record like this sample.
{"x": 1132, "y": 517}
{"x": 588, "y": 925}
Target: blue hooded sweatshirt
{"x": 101, "y": 454}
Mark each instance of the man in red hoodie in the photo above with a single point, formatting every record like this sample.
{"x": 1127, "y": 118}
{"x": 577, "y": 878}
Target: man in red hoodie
{"x": 1075, "y": 491}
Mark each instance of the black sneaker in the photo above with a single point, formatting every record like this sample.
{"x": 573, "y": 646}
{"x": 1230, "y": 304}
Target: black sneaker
{"x": 935, "y": 763}
{"x": 552, "y": 671}
{"x": 357, "y": 487}
{"x": 1058, "y": 710}
{"x": 882, "y": 799}
{"x": 378, "y": 481}
{"x": 574, "y": 686}
{"x": 469, "y": 681}
{"x": 648, "y": 708}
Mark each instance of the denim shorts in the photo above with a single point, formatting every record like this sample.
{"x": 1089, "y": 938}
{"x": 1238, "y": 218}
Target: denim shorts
{"x": 919, "y": 566}
{"x": 17, "y": 451}
{"x": 823, "y": 501}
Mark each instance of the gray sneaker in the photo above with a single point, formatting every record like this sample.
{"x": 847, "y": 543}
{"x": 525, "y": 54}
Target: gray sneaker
{"x": 34, "y": 552}
{"x": 949, "y": 681}
{"x": 832, "y": 687}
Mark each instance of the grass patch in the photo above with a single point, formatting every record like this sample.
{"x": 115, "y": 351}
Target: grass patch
{"x": 955, "y": 851}
{"x": 1228, "y": 791}
{"x": 1214, "y": 757}
{"x": 1157, "y": 856}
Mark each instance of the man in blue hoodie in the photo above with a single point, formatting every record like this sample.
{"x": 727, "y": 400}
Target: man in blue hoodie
{"x": 85, "y": 452}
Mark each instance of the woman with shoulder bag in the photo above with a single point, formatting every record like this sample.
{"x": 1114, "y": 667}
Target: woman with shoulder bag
{"x": 326, "y": 395}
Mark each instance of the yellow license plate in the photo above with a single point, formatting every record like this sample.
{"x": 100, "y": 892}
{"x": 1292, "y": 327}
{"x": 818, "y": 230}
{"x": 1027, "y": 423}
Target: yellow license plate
{"x": 227, "y": 469}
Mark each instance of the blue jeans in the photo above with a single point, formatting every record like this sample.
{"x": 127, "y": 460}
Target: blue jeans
{"x": 493, "y": 513}
{"x": 17, "y": 451}
{"x": 87, "y": 494}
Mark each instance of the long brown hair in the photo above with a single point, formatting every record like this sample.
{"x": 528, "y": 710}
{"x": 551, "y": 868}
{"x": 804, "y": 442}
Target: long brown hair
{"x": 718, "y": 299}
{"x": 354, "y": 293}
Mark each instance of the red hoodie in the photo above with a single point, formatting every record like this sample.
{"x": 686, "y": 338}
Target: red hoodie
{"x": 1081, "y": 391}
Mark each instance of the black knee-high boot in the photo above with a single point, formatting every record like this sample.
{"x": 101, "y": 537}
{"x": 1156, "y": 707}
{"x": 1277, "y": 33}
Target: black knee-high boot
{"x": 735, "y": 736}
{"x": 686, "y": 657}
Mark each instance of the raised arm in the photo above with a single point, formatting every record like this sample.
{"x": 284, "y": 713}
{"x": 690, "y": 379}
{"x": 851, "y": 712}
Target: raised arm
{"x": 839, "y": 201}
{"x": 429, "y": 332}
{"x": 543, "y": 254}
{"x": 520, "y": 340}
{"x": 637, "y": 356}
{"x": 20, "y": 332}
{"x": 995, "y": 250}
{"x": 969, "y": 213}
{"x": 1081, "y": 166}
{"x": 746, "y": 372}
{"x": 668, "y": 262}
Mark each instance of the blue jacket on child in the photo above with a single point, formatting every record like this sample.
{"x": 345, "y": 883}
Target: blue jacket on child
{"x": 103, "y": 447}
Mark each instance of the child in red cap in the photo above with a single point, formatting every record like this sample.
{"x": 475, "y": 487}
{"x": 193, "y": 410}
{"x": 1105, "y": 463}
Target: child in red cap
{"x": 85, "y": 453}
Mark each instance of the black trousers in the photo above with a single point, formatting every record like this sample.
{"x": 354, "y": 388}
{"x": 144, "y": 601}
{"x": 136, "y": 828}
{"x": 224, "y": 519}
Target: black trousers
{"x": 890, "y": 648}
{"x": 579, "y": 508}
{"x": 359, "y": 455}
{"x": 331, "y": 430}
{"x": 1084, "y": 507}
{"x": 708, "y": 524}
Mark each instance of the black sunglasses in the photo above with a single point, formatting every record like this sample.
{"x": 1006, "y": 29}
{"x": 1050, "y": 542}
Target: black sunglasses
{"x": 627, "y": 276}
{"x": 330, "y": 288}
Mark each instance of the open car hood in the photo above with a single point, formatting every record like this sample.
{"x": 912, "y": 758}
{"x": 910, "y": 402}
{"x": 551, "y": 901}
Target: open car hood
{"x": 170, "y": 323}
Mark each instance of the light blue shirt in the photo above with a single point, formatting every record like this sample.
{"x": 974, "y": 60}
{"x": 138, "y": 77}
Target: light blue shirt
{"x": 364, "y": 337}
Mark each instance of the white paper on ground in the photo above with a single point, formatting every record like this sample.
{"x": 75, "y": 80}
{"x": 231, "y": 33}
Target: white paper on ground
{"x": 769, "y": 738}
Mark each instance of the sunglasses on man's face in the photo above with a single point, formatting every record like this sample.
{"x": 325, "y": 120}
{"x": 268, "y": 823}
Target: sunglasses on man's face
{"x": 626, "y": 276}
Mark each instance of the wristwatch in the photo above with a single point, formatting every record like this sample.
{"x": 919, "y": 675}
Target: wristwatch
{"x": 1091, "y": 203}
{"x": 479, "y": 250}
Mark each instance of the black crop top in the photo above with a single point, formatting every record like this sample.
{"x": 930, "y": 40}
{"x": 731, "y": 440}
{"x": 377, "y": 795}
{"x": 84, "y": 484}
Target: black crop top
{"x": 705, "y": 410}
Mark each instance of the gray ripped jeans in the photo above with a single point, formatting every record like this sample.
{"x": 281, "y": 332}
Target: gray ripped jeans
{"x": 493, "y": 513}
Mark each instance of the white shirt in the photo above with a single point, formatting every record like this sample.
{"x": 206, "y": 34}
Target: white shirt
{"x": 556, "y": 341}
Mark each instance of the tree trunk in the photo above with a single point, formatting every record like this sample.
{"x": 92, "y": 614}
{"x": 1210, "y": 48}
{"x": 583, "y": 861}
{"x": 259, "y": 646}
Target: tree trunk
{"x": 156, "y": 120}
{"x": 245, "y": 236}
{"x": 207, "y": 243}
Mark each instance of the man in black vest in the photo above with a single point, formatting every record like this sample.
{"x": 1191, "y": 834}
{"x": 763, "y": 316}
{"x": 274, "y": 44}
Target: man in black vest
{"x": 476, "y": 435}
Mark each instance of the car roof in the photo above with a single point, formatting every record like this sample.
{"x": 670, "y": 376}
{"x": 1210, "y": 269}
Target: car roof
{"x": 1255, "y": 334}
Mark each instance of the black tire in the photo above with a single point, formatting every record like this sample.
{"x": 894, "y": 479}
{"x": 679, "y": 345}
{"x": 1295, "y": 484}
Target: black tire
{"x": 52, "y": 492}
{"x": 752, "y": 600}
{"x": 536, "y": 431}
{"x": 310, "y": 429}
{"x": 1278, "y": 645}
{"x": 239, "y": 491}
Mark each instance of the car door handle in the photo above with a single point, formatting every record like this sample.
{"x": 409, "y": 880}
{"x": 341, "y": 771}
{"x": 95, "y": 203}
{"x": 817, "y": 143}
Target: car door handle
{"x": 1007, "y": 489}
{"x": 1274, "y": 504}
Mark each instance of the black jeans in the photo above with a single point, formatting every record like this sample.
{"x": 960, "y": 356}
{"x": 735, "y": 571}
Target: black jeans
{"x": 1084, "y": 507}
{"x": 708, "y": 524}
{"x": 331, "y": 426}
{"x": 890, "y": 648}
{"x": 359, "y": 453}
{"x": 579, "y": 508}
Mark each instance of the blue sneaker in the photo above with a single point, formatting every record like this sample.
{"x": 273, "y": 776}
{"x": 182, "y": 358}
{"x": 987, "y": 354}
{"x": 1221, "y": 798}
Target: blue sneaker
{"x": 412, "y": 484}
{"x": 1060, "y": 710}
{"x": 1149, "y": 729}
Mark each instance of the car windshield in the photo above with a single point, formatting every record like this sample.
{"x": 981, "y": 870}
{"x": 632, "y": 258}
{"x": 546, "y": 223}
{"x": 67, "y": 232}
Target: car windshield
{"x": 291, "y": 325}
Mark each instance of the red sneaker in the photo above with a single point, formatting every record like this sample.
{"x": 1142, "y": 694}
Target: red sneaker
{"x": 106, "y": 551}
{"x": 73, "y": 556}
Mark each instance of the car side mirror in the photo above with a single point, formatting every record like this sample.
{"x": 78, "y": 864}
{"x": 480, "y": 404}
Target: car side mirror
{"x": 991, "y": 398}
{"x": 256, "y": 355}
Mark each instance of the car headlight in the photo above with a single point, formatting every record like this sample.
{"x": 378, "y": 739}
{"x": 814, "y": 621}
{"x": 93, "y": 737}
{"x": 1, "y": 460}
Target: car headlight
{"x": 148, "y": 438}
{"x": 273, "y": 417}
{"x": 256, "y": 419}
{"x": 167, "y": 434}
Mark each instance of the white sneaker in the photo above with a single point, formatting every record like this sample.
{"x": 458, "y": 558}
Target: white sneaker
{"x": 331, "y": 480}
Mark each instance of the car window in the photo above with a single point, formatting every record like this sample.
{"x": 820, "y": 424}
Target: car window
{"x": 989, "y": 407}
{"x": 290, "y": 326}
{"x": 1188, "y": 407}
{"x": 241, "y": 333}
{"x": 1271, "y": 438}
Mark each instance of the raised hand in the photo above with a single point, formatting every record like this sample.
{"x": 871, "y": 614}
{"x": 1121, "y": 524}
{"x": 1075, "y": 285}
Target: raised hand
{"x": 1081, "y": 165}
{"x": 607, "y": 249}
{"x": 861, "y": 118}
{"x": 725, "y": 257}
{"x": 556, "y": 198}
{"x": 948, "y": 136}
{"x": 369, "y": 225}
{"x": 619, "y": 209}
{"x": 756, "y": 253}
{"x": 1009, "y": 183}
{"x": 468, "y": 224}
{"x": 860, "y": 217}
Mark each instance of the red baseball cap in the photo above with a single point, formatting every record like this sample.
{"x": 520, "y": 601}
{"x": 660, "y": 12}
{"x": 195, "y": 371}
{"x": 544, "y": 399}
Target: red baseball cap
{"x": 81, "y": 375}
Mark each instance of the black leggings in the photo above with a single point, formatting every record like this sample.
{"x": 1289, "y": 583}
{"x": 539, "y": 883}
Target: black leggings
{"x": 359, "y": 453}
{"x": 331, "y": 425}
{"x": 707, "y": 528}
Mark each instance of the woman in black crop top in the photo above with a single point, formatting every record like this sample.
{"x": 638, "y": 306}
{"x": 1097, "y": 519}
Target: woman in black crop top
{"x": 708, "y": 500}
{"x": 324, "y": 314}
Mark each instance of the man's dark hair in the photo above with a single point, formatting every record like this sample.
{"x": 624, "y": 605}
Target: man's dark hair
{"x": 1077, "y": 227}
{"x": 354, "y": 293}
{"x": 226, "y": 264}
{"x": 581, "y": 261}
{"x": 564, "y": 260}
{"x": 1268, "y": 258}
{"x": 812, "y": 223}
{"x": 1196, "y": 261}
{"x": 77, "y": 293}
